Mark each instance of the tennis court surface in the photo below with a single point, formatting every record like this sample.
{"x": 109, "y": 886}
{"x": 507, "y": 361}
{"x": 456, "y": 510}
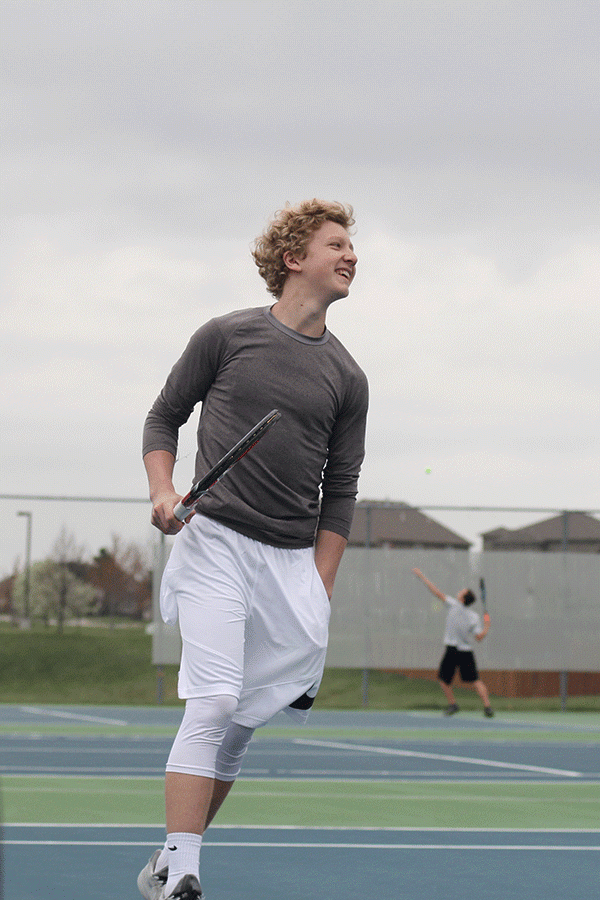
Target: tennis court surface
{"x": 397, "y": 806}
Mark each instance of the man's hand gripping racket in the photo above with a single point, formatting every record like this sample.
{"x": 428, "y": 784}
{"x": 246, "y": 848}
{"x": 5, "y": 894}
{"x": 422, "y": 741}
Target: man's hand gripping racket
{"x": 187, "y": 504}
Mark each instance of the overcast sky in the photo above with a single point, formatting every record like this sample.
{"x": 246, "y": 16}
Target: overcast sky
{"x": 146, "y": 144}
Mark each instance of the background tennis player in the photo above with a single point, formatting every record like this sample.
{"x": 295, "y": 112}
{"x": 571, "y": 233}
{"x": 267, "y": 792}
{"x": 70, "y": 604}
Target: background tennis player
{"x": 463, "y": 626}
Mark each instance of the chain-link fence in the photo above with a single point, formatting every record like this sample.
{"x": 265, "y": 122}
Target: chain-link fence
{"x": 545, "y": 606}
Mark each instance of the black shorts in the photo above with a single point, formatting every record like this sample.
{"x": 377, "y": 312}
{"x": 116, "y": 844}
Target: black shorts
{"x": 464, "y": 660}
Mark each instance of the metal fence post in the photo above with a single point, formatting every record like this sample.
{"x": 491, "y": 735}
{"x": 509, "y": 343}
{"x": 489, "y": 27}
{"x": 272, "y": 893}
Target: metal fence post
{"x": 564, "y": 676}
{"x": 365, "y": 674}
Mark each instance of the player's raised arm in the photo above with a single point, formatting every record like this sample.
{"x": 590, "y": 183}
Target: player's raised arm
{"x": 429, "y": 584}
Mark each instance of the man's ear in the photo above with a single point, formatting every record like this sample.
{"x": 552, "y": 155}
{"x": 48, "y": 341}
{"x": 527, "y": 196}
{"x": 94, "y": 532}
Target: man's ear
{"x": 292, "y": 263}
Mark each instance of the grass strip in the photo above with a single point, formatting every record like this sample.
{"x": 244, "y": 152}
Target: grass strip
{"x": 112, "y": 666}
{"x": 314, "y": 803}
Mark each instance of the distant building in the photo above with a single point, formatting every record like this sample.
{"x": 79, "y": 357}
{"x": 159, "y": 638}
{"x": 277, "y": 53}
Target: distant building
{"x": 379, "y": 523}
{"x": 576, "y": 532}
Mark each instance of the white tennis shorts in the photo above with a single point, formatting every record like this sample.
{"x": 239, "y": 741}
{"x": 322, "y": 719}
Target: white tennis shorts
{"x": 253, "y": 619}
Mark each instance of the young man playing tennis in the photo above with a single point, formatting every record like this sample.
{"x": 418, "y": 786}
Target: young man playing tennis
{"x": 251, "y": 574}
{"x": 462, "y": 627}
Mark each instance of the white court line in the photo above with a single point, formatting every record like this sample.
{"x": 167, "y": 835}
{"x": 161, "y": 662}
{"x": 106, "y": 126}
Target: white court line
{"x": 77, "y": 750}
{"x": 36, "y": 711}
{"x": 287, "y": 845}
{"x": 392, "y": 751}
{"x": 83, "y": 771}
{"x": 506, "y": 721}
{"x": 216, "y": 827}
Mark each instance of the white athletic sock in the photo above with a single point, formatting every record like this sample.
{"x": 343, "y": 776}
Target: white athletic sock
{"x": 184, "y": 857}
{"x": 163, "y": 860}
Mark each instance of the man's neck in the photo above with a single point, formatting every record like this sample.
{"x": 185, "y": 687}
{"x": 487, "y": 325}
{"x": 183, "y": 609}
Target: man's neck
{"x": 303, "y": 315}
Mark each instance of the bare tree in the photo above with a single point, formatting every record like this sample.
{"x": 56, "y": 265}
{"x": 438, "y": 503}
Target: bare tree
{"x": 124, "y": 576}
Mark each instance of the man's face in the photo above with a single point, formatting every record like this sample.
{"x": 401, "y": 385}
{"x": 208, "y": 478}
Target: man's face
{"x": 330, "y": 262}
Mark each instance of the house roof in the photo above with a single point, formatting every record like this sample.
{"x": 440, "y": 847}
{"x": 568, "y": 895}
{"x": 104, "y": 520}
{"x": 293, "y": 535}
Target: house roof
{"x": 400, "y": 525}
{"x": 581, "y": 528}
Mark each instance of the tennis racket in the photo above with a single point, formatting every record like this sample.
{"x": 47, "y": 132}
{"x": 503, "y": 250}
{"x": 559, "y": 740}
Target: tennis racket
{"x": 187, "y": 504}
{"x": 483, "y": 596}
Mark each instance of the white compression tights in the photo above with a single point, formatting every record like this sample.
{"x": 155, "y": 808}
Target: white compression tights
{"x": 208, "y": 743}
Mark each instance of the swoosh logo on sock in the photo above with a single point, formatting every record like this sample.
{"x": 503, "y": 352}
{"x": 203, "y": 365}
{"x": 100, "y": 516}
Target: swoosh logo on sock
{"x": 171, "y": 848}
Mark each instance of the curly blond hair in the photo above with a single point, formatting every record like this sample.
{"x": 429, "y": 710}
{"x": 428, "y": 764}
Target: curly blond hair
{"x": 291, "y": 230}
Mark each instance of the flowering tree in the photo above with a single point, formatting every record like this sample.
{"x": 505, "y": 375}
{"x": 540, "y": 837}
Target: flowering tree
{"x": 118, "y": 581}
{"x": 54, "y": 593}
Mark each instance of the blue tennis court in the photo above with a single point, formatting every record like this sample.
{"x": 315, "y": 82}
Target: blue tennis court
{"x": 358, "y": 804}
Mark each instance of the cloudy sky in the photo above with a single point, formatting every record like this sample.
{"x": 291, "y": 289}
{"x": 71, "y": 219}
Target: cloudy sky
{"x": 147, "y": 143}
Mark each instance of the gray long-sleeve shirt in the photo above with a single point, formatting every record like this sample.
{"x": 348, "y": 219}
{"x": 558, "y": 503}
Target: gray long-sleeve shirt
{"x": 304, "y": 473}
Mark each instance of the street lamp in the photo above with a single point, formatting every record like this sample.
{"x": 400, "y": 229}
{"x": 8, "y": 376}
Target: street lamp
{"x": 26, "y": 592}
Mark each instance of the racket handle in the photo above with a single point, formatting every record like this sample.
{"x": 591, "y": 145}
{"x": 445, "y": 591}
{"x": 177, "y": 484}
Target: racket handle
{"x": 181, "y": 512}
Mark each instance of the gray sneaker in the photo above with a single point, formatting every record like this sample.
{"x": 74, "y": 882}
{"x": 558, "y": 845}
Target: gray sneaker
{"x": 451, "y": 710}
{"x": 187, "y": 888}
{"x": 150, "y": 882}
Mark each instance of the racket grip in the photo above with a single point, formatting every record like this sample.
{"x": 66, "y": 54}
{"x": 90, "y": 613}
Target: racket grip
{"x": 181, "y": 512}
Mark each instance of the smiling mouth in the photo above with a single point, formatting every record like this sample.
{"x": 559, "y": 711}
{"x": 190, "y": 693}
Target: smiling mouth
{"x": 345, "y": 274}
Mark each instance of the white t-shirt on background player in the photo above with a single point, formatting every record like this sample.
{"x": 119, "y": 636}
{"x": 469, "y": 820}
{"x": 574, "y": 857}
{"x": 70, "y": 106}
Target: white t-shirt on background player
{"x": 462, "y": 624}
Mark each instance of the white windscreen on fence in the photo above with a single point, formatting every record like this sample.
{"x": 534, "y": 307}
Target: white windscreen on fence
{"x": 545, "y": 610}
{"x": 166, "y": 642}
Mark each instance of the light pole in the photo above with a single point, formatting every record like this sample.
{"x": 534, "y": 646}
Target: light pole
{"x": 27, "y": 588}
